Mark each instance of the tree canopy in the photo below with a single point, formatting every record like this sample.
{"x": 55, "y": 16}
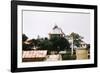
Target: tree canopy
{"x": 45, "y": 45}
{"x": 60, "y": 43}
{"x": 53, "y": 44}
{"x": 24, "y": 37}
{"x": 76, "y": 38}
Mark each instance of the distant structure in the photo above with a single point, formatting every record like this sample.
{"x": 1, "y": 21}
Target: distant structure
{"x": 83, "y": 44}
{"x": 56, "y": 32}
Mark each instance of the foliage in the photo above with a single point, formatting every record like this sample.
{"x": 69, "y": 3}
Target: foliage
{"x": 24, "y": 37}
{"x": 76, "y": 38}
{"x": 45, "y": 45}
{"x": 35, "y": 42}
{"x": 27, "y": 46}
{"x": 68, "y": 56}
{"x": 53, "y": 44}
{"x": 60, "y": 43}
{"x": 24, "y": 45}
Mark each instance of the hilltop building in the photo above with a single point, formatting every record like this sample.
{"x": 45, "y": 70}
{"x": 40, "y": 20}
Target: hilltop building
{"x": 56, "y": 32}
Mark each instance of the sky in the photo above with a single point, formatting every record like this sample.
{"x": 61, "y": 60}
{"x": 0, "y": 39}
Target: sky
{"x": 41, "y": 23}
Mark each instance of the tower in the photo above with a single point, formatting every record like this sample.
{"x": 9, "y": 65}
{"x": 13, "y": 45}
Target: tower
{"x": 56, "y": 32}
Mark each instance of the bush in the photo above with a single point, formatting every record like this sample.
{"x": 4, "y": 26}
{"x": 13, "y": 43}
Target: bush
{"x": 68, "y": 56}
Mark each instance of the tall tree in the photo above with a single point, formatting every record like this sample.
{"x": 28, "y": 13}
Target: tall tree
{"x": 60, "y": 43}
{"x": 76, "y": 38}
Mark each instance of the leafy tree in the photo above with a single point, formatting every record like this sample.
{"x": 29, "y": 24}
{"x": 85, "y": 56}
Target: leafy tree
{"x": 45, "y": 44}
{"x": 24, "y": 37}
{"x": 27, "y": 46}
{"x": 60, "y": 43}
{"x": 35, "y": 42}
{"x": 76, "y": 38}
{"x": 24, "y": 45}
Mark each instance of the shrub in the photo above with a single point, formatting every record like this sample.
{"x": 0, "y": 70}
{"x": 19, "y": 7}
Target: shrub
{"x": 68, "y": 56}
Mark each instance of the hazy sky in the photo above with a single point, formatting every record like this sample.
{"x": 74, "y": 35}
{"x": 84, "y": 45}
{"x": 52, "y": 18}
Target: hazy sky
{"x": 41, "y": 23}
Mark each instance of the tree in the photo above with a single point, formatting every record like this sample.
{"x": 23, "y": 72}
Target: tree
{"x": 35, "y": 42}
{"x": 45, "y": 45}
{"x": 60, "y": 43}
{"x": 24, "y": 37}
{"x": 76, "y": 38}
{"x": 24, "y": 45}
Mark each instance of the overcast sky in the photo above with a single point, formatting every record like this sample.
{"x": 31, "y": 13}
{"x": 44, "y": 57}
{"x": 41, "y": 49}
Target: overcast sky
{"x": 41, "y": 23}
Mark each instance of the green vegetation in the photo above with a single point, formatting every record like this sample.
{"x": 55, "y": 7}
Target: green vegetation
{"x": 68, "y": 56}
{"x": 76, "y": 38}
{"x": 53, "y": 44}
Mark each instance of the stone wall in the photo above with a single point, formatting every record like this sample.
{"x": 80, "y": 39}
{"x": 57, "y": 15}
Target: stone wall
{"x": 81, "y": 53}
